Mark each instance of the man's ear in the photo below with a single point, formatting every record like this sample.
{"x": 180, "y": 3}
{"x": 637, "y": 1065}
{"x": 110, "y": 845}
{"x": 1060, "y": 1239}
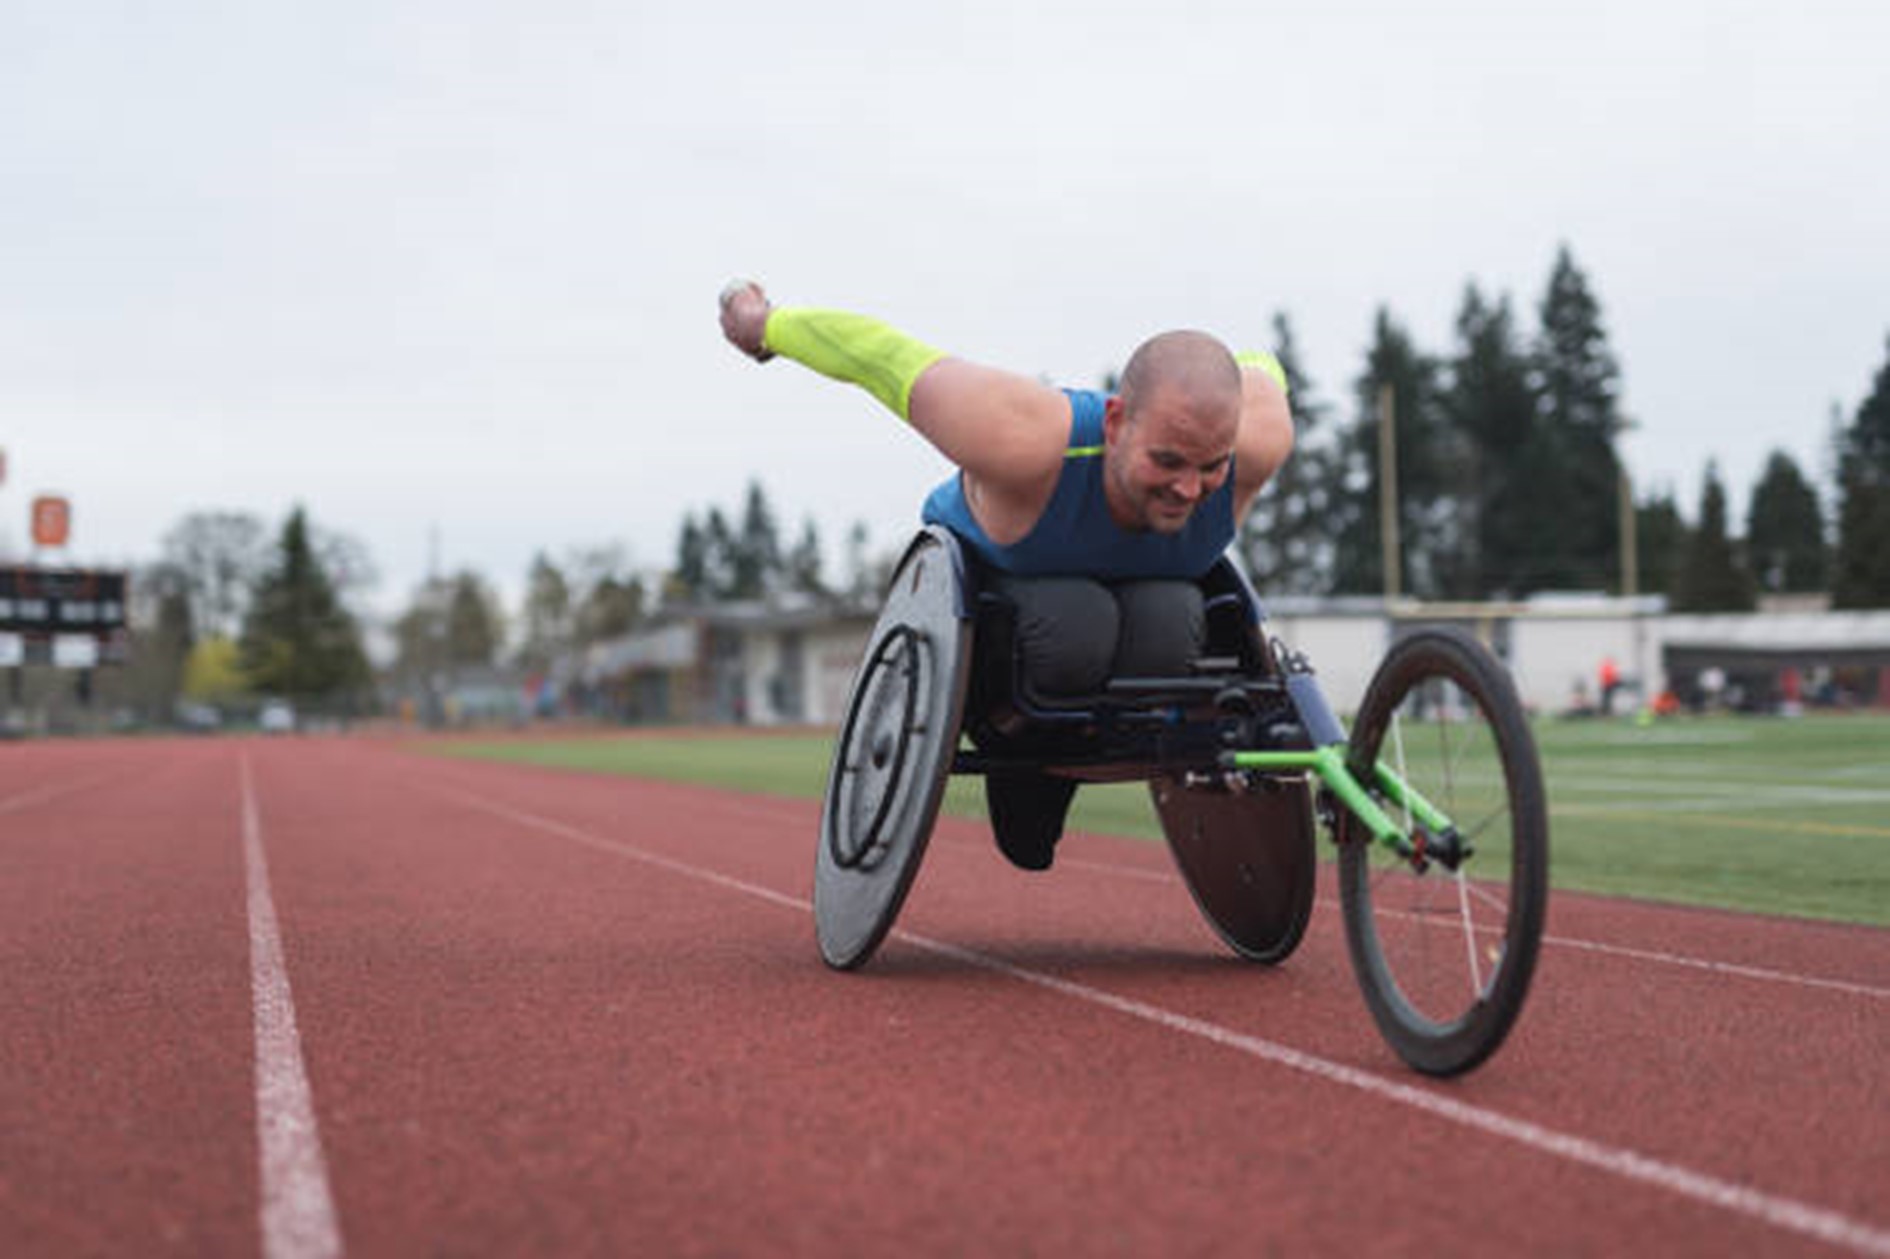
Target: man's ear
{"x": 1115, "y": 420}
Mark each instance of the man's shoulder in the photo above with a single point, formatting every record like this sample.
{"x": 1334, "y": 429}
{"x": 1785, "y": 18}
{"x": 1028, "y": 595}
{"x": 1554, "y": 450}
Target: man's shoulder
{"x": 1086, "y": 418}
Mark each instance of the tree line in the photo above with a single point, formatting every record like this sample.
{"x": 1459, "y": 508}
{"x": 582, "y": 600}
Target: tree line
{"x": 1508, "y": 481}
{"x": 1508, "y": 478}
{"x": 228, "y": 615}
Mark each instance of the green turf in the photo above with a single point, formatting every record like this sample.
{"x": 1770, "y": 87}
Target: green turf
{"x": 1772, "y": 815}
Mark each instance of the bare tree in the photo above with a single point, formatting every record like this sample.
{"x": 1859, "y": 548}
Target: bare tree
{"x": 220, "y": 555}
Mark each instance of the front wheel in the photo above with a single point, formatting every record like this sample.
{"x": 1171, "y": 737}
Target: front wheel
{"x": 1444, "y": 938}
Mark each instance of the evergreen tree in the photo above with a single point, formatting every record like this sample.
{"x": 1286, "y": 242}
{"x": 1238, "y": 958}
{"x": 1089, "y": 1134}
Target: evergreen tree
{"x": 1784, "y": 529}
{"x": 1491, "y": 406}
{"x": 1571, "y": 458}
{"x": 1861, "y": 576}
{"x": 473, "y": 627}
{"x": 1288, "y": 537}
{"x": 298, "y": 641}
{"x": 1430, "y": 507}
{"x": 546, "y": 614}
{"x": 755, "y": 557}
{"x": 803, "y": 563}
{"x": 1661, "y": 542}
{"x": 1712, "y": 579}
{"x": 718, "y": 552}
{"x": 691, "y": 574}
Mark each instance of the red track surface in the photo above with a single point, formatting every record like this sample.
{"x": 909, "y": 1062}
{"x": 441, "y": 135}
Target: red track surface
{"x": 546, "y": 1013}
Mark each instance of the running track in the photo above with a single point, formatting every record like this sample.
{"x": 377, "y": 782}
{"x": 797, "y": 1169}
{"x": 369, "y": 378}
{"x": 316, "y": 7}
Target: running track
{"x": 313, "y": 997}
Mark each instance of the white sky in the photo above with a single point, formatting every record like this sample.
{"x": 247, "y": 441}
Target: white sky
{"x": 452, "y": 266}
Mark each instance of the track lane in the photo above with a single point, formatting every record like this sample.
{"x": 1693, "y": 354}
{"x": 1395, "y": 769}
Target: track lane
{"x": 1122, "y": 944}
{"x": 521, "y": 1037}
{"x": 1775, "y": 1088}
{"x": 124, "y": 1068}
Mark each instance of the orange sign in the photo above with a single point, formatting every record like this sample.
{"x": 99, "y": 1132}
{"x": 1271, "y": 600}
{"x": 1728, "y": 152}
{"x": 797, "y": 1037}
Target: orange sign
{"x": 52, "y": 520}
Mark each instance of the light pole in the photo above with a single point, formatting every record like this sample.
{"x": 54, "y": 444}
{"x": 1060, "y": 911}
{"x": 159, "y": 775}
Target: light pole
{"x": 1630, "y": 545}
{"x": 1388, "y": 543}
{"x": 1631, "y": 582}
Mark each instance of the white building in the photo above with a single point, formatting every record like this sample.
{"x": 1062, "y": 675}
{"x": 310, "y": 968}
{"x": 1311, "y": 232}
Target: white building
{"x": 770, "y": 664}
{"x": 1555, "y": 646}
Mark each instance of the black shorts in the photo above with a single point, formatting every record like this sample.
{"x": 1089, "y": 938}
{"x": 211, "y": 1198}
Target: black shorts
{"x": 1075, "y": 633}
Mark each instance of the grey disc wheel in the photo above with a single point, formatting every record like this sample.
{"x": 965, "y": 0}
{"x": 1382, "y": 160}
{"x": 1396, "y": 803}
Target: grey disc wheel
{"x": 893, "y": 753}
{"x": 1248, "y": 854}
{"x": 1444, "y": 941}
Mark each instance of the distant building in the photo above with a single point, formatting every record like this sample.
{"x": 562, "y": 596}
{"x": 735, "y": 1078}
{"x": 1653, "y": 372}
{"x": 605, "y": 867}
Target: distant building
{"x": 787, "y": 662}
{"x": 761, "y": 663}
{"x": 1553, "y": 645}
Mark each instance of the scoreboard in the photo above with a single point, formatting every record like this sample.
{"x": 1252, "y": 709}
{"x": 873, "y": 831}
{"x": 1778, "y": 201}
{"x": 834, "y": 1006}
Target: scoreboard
{"x": 44, "y": 602}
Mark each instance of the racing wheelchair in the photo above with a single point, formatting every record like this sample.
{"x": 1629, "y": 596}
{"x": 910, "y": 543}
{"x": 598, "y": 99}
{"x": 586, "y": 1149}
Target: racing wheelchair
{"x": 1434, "y": 802}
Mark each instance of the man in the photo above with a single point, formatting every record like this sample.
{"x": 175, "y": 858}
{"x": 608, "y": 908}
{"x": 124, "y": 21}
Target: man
{"x": 1097, "y": 512}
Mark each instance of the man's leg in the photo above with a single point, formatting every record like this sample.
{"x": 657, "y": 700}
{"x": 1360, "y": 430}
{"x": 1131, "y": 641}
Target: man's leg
{"x": 1066, "y": 632}
{"x": 1066, "y": 636}
{"x": 1163, "y": 625}
{"x": 1027, "y": 809}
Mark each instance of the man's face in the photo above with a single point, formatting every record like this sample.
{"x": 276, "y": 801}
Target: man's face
{"x": 1161, "y": 461}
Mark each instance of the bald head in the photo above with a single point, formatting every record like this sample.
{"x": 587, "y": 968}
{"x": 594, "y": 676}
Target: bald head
{"x": 1196, "y": 367}
{"x": 1169, "y": 433}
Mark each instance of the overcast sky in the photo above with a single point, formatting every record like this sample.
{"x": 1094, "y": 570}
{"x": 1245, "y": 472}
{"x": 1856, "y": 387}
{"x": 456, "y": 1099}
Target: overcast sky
{"x": 449, "y": 269}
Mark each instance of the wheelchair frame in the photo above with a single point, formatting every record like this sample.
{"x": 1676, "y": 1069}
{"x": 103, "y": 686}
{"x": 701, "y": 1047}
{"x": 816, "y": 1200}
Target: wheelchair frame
{"x": 1246, "y": 721}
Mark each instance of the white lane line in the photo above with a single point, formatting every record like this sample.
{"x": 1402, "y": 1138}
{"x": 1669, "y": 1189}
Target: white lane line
{"x": 1729, "y": 969}
{"x": 731, "y": 805}
{"x": 298, "y": 1211}
{"x": 1780, "y": 1212}
{"x": 1718, "y": 968}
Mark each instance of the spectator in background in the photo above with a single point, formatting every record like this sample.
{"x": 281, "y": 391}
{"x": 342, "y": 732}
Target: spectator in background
{"x": 1712, "y": 687}
{"x": 1609, "y": 678}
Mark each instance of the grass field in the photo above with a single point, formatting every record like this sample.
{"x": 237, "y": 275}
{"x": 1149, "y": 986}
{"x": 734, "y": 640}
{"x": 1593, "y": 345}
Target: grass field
{"x": 1776, "y": 816}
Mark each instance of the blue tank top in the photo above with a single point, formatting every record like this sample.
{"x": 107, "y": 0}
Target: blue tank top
{"x": 1076, "y": 536}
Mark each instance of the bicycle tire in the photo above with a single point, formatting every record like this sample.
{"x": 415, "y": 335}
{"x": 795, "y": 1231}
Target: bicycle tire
{"x": 1445, "y": 685}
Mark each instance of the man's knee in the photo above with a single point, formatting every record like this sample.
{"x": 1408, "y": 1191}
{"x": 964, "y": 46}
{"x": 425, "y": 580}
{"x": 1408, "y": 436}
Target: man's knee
{"x": 1161, "y": 628}
{"x": 1066, "y": 632}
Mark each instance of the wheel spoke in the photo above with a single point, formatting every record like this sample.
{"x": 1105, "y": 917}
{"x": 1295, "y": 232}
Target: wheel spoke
{"x": 1469, "y": 934}
{"x": 1397, "y": 756}
{"x": 1483, "y": 823}
{"x": 1475, "y": 717}
{"x": 1489, "y": 898}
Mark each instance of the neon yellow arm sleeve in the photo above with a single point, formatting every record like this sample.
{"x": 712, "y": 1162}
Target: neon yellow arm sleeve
{"x": 1266, "y": 363}
{"x": 857, "y": 349}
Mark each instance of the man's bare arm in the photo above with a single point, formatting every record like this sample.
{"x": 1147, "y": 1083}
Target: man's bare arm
{"x": 1006, "y": 431}
{"x": 1265, "y": 438}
